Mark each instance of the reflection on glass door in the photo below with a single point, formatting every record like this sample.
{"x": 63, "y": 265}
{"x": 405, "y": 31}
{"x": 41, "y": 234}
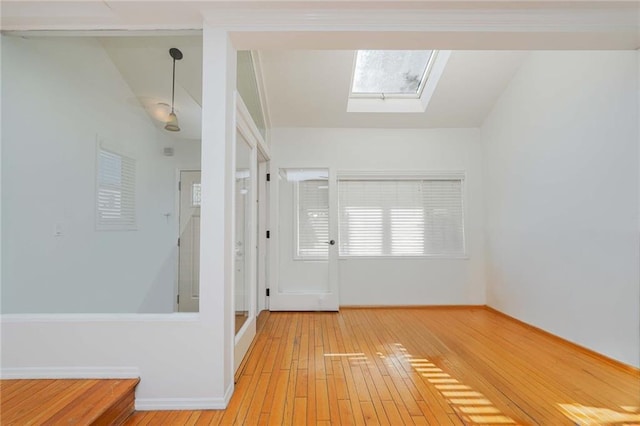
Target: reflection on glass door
{"x": 244, "y": 195}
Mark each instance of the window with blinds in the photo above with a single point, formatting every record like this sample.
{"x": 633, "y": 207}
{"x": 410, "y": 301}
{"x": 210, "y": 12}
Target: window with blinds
{"x": 385, "y": 217}
{"x": 116, "y": 195}
{"x": 312, "y": 219}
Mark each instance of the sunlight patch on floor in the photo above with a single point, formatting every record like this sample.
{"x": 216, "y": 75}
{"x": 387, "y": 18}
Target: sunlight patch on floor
{"x": 472, "y": 407}
{"x": 587, "y": 416}
{"x": 453, "y": 387}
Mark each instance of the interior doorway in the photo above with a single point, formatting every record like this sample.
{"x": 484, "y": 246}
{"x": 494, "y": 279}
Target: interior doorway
{"x": 189, "y": 242}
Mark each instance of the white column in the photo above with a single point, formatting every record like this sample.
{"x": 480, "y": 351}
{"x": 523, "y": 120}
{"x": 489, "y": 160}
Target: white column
{"x": 218, "y": 159}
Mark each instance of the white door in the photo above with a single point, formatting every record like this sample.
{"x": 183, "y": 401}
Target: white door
{"x": 189, "y": 242}
{"x": 306, "y": 241}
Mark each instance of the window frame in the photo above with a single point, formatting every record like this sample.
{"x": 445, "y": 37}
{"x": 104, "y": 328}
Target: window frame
{"x": 411, "y": 176}
{"x": 106, "y": 226}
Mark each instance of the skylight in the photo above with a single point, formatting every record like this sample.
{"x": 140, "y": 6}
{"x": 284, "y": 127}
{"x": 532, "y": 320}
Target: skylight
{"x": 395, "y": 81}
{"x": 390, "y": 72}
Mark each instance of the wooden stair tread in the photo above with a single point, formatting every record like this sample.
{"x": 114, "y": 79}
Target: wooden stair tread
{"x": 92, "y": 401}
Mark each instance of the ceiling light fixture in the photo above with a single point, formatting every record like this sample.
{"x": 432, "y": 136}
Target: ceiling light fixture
{"x": 172, "y": 124}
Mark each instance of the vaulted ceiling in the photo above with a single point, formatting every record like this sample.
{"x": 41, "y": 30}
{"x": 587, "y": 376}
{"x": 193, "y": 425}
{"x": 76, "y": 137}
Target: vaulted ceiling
{"x": 306, "y": 87}
{"x": 310, "y": 88}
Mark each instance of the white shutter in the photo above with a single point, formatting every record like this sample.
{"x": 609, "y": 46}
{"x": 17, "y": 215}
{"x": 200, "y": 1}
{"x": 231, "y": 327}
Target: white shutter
{"x": 115, "y": 197}
{"x": 313, "y": 219}
{"x": 405, "y": 217}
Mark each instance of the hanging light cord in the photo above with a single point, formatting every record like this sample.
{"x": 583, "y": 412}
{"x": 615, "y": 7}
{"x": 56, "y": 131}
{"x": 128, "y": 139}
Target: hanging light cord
{"x": 173, "y": 86}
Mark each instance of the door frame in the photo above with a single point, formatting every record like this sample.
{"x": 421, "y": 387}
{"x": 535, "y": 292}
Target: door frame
{"x": 249, "y": 131}
{"x": 263, "y": 241}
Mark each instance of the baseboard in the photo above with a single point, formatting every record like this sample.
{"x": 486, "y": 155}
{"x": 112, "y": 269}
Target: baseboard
{"x": 412, "y": 306}
{"x": 70, "y": 373}
{"x": 590, "y": 352}
{"x": 158, "y": 404}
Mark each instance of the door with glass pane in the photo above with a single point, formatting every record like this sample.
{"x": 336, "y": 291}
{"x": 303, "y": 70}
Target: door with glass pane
{"x": 306, "y": 270}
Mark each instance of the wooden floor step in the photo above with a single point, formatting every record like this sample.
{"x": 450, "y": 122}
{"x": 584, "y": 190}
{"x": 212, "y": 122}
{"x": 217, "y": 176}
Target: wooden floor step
{"x": 65, "y": 401}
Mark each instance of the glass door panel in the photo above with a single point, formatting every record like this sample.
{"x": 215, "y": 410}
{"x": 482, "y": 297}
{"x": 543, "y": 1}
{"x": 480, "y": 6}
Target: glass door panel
{"x": 242, "y": 257}
{"x": 305, "y": 244}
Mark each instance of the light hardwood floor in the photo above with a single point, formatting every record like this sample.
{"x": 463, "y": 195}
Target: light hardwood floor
{"x": 416, "y": 366}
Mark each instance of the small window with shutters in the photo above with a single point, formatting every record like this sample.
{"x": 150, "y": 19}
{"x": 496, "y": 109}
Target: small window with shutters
{"x": 312, "y": 217}
{"x": 115, "y": 191}
{"x": 386, "y": 217}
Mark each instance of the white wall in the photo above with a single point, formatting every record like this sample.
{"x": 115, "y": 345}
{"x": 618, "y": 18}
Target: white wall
{"x": 183, "y": 360}
{"x": 398, "y": 281}
{"x": 561, "y": 185}
{"x": 61, "y": 94}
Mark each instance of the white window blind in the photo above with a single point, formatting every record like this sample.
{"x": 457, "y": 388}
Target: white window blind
{"x": 400, "y": 217}
{"x": 312, "y": 219}
{"x": 116, "y": 196}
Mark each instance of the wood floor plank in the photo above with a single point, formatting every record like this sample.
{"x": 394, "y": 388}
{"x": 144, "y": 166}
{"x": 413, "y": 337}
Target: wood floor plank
{"x": 322, "y": 400}
{"x": 299, "y": 411}
{"x": 346, "y": 414}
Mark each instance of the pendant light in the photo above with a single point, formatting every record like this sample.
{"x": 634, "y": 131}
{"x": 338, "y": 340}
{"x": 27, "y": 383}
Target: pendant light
{"x": 172, "y": 123}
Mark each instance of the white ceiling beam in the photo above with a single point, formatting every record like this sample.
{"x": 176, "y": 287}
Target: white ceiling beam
{"x": 354, "y": 24}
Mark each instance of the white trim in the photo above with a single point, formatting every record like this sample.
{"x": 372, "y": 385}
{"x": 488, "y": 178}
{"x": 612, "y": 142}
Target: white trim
{"x": 257, "y": 68}
{"x": 423, "y": 19}
{"x": 243, "y": 340}
{"x": 154, "y": 404}
{"x": 70, "y": 373}
{"x": 176, "y": 317}
{"x": 436, "y": 69}
{"x": 144, "y": 31}
{"x": 248, "y": 128}
{"x": 262, "y": 252}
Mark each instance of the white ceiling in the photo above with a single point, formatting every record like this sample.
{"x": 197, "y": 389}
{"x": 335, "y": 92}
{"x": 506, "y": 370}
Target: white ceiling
{"x": 309, "y": 88}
